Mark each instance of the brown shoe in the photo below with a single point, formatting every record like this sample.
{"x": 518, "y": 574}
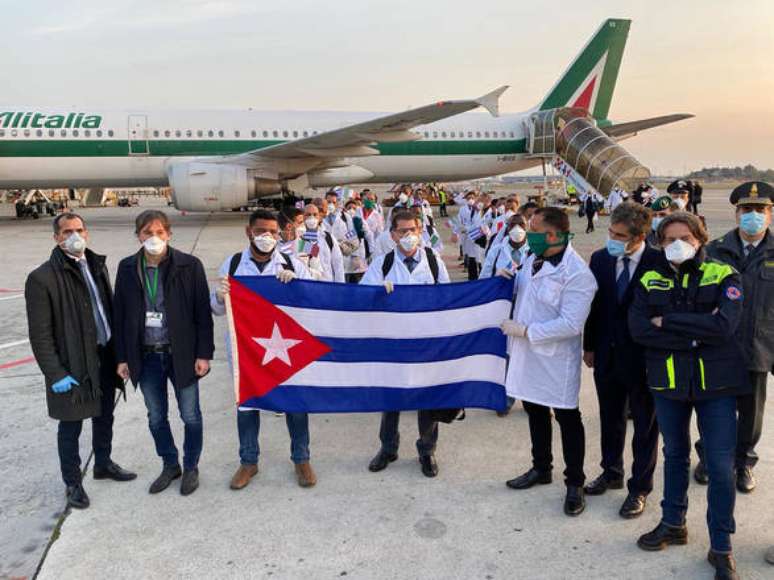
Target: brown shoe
{"x": 243, "y": 476}
{"x": 305, "y": 475}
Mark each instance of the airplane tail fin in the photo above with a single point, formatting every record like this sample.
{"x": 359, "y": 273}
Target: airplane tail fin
{"x": 590, "y": 80}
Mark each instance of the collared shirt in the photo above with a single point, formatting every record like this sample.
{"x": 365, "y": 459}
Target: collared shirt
{"x": 93, "y": 285}
{"x": 634, "y": 261}
{"x": 153, "y": 335}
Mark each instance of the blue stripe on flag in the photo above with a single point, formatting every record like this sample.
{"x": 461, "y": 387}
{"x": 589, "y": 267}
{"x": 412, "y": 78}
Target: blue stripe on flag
{"x": 361, "y": 298}
{"x": 471, "y": 394}
{"x": 488, "y": 341}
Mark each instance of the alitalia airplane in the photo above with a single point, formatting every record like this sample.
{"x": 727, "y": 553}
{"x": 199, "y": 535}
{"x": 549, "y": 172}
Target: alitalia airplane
{"x": 221, "y": 159}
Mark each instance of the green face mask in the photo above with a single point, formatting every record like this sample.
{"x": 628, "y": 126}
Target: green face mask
{"x": 538, "y": 244}
{"x": 369, "y": 204}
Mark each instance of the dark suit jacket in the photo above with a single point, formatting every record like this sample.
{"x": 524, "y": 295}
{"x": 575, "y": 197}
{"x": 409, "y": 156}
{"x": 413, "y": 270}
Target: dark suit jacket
{"x": 607, "y": 328}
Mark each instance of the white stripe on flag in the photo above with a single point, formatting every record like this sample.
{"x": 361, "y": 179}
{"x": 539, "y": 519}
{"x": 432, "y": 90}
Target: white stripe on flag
{"x": 482, "y": 367}
{"x": 352, "y": 324}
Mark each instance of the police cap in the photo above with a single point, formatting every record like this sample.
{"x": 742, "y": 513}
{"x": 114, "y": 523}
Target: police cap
{"x": 679, "y": 186}
{"x": 753, "y": 193}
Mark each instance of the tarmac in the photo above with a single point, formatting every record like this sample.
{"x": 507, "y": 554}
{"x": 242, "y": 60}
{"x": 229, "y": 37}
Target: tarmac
{"x": 397, "y": 524}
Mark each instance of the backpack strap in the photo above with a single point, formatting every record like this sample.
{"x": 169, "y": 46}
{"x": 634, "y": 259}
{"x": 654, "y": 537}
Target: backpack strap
{"x": 389, "y": 260}
{"x": 328, "y": 239}
{"x": 232, "y": 267}
{"x": 432, "y": 261}
{"x": 288, "y": 265}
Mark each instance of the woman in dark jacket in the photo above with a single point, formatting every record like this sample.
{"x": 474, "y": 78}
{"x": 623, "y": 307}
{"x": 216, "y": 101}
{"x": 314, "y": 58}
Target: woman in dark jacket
{"x": 685, "y": 312}
{"x": 164, "y": 332}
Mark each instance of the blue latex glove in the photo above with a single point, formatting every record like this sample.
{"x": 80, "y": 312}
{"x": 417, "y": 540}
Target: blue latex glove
{"x": 64, "y": 385}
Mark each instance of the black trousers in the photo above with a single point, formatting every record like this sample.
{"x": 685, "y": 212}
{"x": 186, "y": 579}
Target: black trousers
{"x": 694, "y": 206}
{"x": 590, "y": 221}
{"x": 573, "y": 440}
{"x": 390, "y": 436}
{"x": 472, "y": 268}
{"x": 613, "y": 394}
{"x": 353, "y": 278}
{"x": 101, "y": 440}
{"x": 749, "y": 425}
{"x": 442, "y": 210}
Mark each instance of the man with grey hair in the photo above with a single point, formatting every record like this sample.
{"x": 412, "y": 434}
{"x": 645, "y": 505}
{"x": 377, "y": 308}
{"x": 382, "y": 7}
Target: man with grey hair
{"x": 618, "y": 363}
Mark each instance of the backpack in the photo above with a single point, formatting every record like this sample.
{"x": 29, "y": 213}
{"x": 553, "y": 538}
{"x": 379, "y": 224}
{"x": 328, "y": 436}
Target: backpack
{"x": 432, "y": 261}
{"x": 236, "y": 258}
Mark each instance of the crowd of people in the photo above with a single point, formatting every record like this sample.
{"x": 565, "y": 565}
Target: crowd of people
{"x": 670, "y": 323}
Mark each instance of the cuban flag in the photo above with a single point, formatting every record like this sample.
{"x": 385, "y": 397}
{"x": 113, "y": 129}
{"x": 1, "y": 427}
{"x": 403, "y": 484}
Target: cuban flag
{"x": 476, "y": 233}
{"x": 310, "y": 236}
{"x": 321, "y": 347}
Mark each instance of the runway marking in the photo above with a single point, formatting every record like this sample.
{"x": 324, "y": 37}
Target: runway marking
{"x": 8, "y": 291}
{"x": 16, "y": 363}
{"x": 14, "y": 343}
{"x": 11, "y": 297}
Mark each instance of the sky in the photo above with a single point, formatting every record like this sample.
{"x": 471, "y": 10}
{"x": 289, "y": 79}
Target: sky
{"x": 711, "y": 58}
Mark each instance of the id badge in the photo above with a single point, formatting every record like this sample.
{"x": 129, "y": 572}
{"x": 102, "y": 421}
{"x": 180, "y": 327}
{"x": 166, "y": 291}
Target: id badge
{"x": 154, "y": 319}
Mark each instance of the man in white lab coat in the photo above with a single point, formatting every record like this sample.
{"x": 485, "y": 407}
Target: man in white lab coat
{"x": 554, "y": 291}
{"x": 408, "y": 263}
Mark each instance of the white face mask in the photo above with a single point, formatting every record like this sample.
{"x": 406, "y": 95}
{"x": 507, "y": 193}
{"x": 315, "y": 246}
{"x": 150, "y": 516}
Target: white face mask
{"x": 681, "y": 203}
{"x": 331, "y": 208}
{"x": 409, "y": 242}
{"x": 517, "y": 234}
{"x": 154, "y": 245}
{"x": 679, "y": 251}
{"x": 311, "y": 223}
{"x": 300, "y": 231}
{"x": 403, "y": 198}
{"x": 265, "y": 243}
{"x": 74, "y": 244}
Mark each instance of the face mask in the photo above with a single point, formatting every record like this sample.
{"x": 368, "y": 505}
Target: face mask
{"x": 517, "y": 234}
{"x": 471, "y": 202}
{"x": 403, "y": 198}
{"x": 351, "y": 212}
{"x": 509, "y": 214}
{"x": 679, "y": 251}
{"x": 300, "y": 231}
{"x": 74, "y": 244}
{"x": 369, "y": 204}
{"x": 681, "y": 203}
{"x": 752, "y": 223}
{"x": 409, "y": 242}
{"x": 155, "y": 246}
{"x": 616, "y": 248}
{"x": 311, "y": 223}
{"x": 331, "y": 208}
{"x": 265, "y": 243}
{"x": 655, "y": 222}
{"x": 538, "y": 244}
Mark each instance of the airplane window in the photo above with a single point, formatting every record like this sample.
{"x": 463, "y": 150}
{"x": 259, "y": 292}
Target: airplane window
{"x": 110, "y": 133}
{"x": 314, "y": 132}
{"x": 189, "y": 133}
{"x": 26, "y": 132}
{"x": 220, "y": 133}
{"x": 253, "y": 134}
{"x": 99, "y": 133}
{"x": 2, "y": 133}
{"x": 275, "y": 134}
{"x": 453, "y": 134}
{"x": 306, "y": 134}
{"x": 470, "y": 134}
{"x": 200, "y": 133}
{"x": 427, "y": 134}
{"x": 155, "y": 133}
{"x": 87, "y": 133}
{"x": 39, "y": 133}
{"x": 265, "y": 133}
{"x": 443, "y": 134}
{"x": 236, "y": 133}
{"x": 435, "y": 134}
{"x": 63, "y": 132}
{"x": 75, "y": 132}
{"x": 210, "y": 133}
{"x": 167, "y": 133}
{"x": 511, "y": 134}
{"x": 178, "y": 133}
{"x": 284, "y": 133}
{"x": 494, "y": 134}
{"x": 14, "y": 133}
{"x": 478, "y": 133}
{"x": 295, "y": 133}
{"x": 51, "y": 132}
{"x": 486, "y": 134}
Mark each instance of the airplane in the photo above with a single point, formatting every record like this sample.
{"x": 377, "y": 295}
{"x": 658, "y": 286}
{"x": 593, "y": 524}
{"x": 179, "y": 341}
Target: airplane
{"x": 217, "y": 160}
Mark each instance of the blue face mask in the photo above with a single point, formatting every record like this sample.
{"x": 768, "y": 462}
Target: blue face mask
{"x": 752, "y": 223}
{"x": 616, "y": 248}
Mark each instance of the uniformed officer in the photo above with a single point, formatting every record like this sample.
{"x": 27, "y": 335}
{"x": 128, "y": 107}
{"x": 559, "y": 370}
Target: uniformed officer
{"x": 680, "y": 192}
{"x": 408, "y": 263}
{"x": 661, "y": 207}
{"x": 685, "y": 312}
{"x": 750, "y": 249}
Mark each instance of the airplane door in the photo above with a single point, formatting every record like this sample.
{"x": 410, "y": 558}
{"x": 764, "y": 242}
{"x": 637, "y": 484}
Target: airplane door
{"x": 138, "y": 135}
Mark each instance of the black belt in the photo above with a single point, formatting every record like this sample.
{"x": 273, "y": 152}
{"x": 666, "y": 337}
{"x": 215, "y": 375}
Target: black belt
{"x": 157, "y": 348}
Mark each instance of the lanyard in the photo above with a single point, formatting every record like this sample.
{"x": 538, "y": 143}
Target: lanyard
{"x": 152, "y": 289}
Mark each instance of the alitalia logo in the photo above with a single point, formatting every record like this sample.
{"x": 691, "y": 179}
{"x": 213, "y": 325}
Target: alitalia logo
{"x": 32, "y": 120}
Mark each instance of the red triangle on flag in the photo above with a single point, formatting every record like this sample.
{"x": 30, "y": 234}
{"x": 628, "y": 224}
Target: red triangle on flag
{"x": 584, "y": 99}
{"x": 272, "y": 346}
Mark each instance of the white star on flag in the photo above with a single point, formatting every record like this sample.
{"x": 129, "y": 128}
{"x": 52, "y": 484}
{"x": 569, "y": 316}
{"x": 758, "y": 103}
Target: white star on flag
{"x": 276, "y": 346}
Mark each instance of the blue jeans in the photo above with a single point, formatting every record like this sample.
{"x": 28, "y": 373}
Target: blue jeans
{"x": 156, "y": 371}
{"x": 249, "y": 425}
{"x": 717, "y": 424}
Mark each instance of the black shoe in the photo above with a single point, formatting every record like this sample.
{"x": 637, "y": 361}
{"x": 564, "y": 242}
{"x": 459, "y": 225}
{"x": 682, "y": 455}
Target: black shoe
{"x": 168, "y": 474}
{"x": 114, "y": 472}
{"x": 529, "y": 479}
{"x": 601, "y": 484}
{"x": 663, "y": 536}
{"x": 190, "y": 481}
{"x": 575, "y": 501}
{"x": 76, "y": 497}
{"x": 381, "y": 461}
{"x": 725, "y": 566}
{"x": 429, "y": 465}
{"x": 745, "y": 481}
{"x": 700, "y": 474}
{"x": 633, "y": 506}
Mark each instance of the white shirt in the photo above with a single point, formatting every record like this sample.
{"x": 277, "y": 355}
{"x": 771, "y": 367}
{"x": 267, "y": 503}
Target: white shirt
{"x": 634, "y": 260}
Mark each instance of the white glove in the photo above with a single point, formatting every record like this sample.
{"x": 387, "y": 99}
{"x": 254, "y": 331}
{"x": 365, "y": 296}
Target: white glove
{"x": 503, "y": 273}
{"x": 223, "y": 288}
{"x": 388, "y": 287}
{"x": 513, "y": 328}
{"x": 285, "y": 276}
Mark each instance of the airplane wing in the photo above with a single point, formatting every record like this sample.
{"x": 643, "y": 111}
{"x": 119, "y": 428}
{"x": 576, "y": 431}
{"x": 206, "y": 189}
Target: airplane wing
{"x": 354, "y": 140}
{"x": 623, "y": 130}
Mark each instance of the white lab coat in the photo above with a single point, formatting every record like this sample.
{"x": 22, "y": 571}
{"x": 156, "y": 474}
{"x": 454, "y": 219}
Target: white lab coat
{"x": 502, "y": 257}
{"x": 545, "y": 366}
{"x": 399, "y": 273}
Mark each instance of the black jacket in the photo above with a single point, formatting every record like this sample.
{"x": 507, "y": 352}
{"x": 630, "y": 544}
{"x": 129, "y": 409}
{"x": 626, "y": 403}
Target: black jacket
{"x": 189, "y": 319}
{"x": 63, "y": 334}
{"x": 607, "y": 328}
{"x": 694, "y": 354}
{"x": 756, "y": 330}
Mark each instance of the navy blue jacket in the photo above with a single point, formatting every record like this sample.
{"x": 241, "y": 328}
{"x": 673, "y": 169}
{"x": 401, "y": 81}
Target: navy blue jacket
{"x": 607, "y": 327}
{"x": 189, "y": 318}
